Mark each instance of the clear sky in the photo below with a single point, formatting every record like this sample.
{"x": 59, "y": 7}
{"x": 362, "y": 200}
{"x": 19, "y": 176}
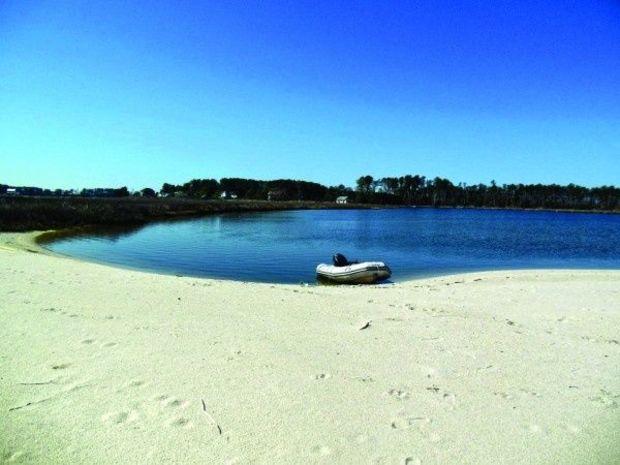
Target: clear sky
{"x": 137, "y": 93}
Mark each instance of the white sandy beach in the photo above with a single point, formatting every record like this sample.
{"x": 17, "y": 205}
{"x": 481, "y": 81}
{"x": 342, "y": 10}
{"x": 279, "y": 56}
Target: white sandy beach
{"x": 100, "y": 365}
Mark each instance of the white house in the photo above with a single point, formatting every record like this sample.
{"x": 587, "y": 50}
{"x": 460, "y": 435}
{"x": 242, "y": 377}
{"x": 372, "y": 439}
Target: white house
{"x": 228, "y": 195}
{"x": 342, "y": 199}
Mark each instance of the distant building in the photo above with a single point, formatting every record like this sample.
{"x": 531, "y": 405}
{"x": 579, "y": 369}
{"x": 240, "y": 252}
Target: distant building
{"x": 228, "y": 195}
{"x": 342, "y": 199}
{"x": 13, "y": 191}
{"x": 25, "y": 191}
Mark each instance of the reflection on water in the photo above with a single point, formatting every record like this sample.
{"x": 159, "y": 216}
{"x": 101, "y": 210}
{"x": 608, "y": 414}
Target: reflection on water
{"x": 287, "y": 246}
{"x": 102, "y": 233}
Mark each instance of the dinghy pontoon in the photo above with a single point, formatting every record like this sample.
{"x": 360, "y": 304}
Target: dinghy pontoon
{"x": 345, "y": 272}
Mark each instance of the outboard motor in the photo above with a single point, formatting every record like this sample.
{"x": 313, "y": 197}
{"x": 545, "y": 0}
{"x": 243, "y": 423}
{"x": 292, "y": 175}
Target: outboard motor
{"x": 340, "y": 260}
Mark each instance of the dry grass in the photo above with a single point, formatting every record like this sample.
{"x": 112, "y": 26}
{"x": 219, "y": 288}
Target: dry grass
{"x": 41, "y": 213}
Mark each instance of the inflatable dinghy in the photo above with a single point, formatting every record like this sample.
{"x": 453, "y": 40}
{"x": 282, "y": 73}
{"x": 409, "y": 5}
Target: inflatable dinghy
{"x": 345, "y": 272}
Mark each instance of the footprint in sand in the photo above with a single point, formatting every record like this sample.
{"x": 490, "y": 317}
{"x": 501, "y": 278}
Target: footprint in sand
{"x": 321, "y": 450}
{"x": 413, "y": 461}
{"x": 118, "y": 418}
{"x": 525, "y": 392}
{"x": 136, "y": 383}
{"x": 406, "y": 422}
{"x": 13, "y": 457}
{"x": 433, "y": 389}
{"x": 61, "y": 366}
{"x": 420, "y": 423}
{"x": 180, "y": 422}
{"x": 450, "y": 399}
{"x": 176, "y": 403}
{"x": 606, "y": 398}
{"x": 173, "y": 404}
{"x": 400, "y": 394}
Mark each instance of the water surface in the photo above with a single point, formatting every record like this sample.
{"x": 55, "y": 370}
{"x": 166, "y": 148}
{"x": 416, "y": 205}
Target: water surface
{"x": 286, "y": 246}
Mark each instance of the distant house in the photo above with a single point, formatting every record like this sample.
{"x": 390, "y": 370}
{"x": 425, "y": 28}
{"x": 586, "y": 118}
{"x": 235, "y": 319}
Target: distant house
{"x": 228, "y": 195}
{"x": 342, "y": 199}
{"x": 26, "y": 191}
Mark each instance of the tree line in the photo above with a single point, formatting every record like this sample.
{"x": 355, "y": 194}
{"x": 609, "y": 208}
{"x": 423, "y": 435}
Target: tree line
{"x": 438, "y": 192}
{"x": 413, "y": 190}
{"x": 279, "y": 189}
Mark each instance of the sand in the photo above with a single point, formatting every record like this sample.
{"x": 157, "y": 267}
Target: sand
{"x": 100, "y": 365}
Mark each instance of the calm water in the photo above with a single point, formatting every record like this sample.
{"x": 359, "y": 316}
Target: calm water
{"x": 287, "y": 246}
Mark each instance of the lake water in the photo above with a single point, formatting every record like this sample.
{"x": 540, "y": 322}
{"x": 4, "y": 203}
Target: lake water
{"x": 286, "y": 246}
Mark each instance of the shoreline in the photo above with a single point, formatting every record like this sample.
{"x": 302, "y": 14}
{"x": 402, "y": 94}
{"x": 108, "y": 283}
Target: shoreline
{"x": 518, "y": 209}
{"x": 61, "y": 213}
{"x": 33, "y": 242}
{"x": 108, "y": 365}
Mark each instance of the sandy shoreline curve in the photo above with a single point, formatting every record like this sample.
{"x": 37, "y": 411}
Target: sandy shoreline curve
{"x": 103, "y": 365}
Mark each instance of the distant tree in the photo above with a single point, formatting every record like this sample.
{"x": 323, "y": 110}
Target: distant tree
{"x": 390, "y": 185}
{"x": 365, "y": 184}
{"x": 200, "y": 188}
{"x": 148, "y": 192}
{"x": 121, "y": 192}
{"x": 168, "y": 189}
{"x": 244, "y": 188}
{"x": 334, "y": 192}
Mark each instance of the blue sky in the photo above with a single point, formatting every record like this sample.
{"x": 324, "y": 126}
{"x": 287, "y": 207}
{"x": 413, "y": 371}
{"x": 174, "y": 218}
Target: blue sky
{"x": 140, "y": 92}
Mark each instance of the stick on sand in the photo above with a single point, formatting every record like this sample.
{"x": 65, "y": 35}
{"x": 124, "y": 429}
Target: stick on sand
{"x": 204, "y": 408}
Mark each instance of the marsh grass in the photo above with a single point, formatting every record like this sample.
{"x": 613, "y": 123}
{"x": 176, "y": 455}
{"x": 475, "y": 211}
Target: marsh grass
{"x": 43, "y": 213}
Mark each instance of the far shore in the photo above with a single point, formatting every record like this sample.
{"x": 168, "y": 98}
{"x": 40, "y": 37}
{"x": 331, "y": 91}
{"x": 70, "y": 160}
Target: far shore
{"x": 107, "y": 365}
{"x": 20, "y": 214}
{"x": 554, "y": 210}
